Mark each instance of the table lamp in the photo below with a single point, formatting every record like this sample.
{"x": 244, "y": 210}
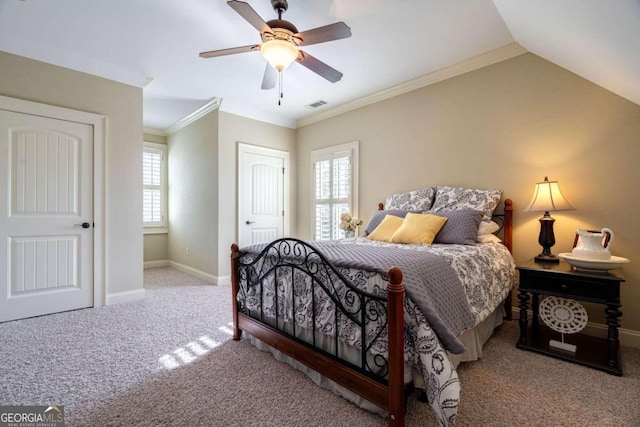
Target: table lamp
{"x": 547, "y": 197}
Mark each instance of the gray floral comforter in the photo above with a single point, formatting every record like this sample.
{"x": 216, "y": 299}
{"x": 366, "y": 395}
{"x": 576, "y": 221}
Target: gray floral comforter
{"x": 486, "y": 272}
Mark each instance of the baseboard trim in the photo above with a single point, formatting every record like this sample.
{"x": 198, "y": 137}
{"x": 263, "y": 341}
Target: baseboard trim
{"x": 127, "y": 296}
{"x": 627, "y": 337}
{"x": 156, "y": 264}
{"x": 222, "y": 280}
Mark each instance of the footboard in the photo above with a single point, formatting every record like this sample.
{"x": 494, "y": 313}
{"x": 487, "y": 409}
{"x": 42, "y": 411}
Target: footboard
{"x": 290, "y": 280}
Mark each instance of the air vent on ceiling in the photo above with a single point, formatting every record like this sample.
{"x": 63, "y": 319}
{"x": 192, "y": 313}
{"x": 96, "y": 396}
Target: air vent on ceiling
{"x": 317, "y": 104}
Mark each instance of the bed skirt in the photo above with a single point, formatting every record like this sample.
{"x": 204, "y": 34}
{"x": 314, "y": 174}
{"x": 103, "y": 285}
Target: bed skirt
{"x": 473, "y": 339}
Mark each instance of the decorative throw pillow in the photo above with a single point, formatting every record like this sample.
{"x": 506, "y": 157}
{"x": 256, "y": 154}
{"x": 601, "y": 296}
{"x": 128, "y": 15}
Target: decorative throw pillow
{"x": 461, "y": 227}
{"x": 455, "y": 198}
{"x": 488, "y": 227}
{"x": 378, "y": 216}
{"x": 385, "y": 230}
{"x": 417, "y": 200}
{"x": 419, "y": 229}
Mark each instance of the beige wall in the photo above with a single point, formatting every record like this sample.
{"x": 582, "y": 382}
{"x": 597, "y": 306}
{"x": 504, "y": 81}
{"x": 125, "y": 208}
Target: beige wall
{"x": 193, "y": 195}
{"x": 156, "y": 245}
{"x": 122, "y": 105}
{"x": 156, "y": 248}
{"x": 504, "y": 126}
{"x": 235, "y": 129}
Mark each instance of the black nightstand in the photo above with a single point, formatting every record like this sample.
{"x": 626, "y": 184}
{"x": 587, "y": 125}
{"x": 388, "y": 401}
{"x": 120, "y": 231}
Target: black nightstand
{"x": 561, "y": 280}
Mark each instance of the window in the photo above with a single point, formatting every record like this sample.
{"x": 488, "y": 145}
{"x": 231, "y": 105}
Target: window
{"x": 154, "y": 179}
{"x": 334, "y": 181}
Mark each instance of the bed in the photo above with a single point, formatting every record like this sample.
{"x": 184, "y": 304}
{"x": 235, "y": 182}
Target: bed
{"x": 356, "y": 312}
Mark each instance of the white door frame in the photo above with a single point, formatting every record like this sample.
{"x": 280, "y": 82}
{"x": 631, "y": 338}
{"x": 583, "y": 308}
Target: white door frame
{"x": 99, "y": 124}
{"x": 245, "y": 148}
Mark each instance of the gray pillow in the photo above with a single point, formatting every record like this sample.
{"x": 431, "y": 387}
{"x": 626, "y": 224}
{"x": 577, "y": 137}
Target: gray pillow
{"x": 461, "y": 227}
{"x": 378, "y": 216}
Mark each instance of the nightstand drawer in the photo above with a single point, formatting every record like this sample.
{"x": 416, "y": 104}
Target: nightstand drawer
{"x": 597, "y": 291}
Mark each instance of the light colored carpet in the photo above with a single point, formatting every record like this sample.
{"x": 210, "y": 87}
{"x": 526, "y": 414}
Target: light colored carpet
{"x": 168, "y": 361}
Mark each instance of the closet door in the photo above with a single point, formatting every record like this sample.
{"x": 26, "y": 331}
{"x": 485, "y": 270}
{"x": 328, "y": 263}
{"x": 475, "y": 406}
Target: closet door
{"x": 46, "y": 215}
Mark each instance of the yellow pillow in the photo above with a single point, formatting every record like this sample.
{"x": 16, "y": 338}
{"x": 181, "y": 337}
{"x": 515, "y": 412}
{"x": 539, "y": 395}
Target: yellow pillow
{"x": 386, "y": 228}
{"x": 418, "y": 229}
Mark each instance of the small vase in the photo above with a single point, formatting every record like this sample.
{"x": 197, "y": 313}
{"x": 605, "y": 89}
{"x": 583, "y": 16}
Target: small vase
{"x": 349, "y": 233}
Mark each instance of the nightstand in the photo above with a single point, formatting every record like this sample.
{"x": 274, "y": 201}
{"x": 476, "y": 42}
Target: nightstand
{"x": 561, "y": 280}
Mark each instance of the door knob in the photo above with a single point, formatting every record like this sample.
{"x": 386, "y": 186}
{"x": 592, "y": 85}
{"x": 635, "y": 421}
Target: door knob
{"x": 250, "y": 222}
{"x": 83, "y": 225}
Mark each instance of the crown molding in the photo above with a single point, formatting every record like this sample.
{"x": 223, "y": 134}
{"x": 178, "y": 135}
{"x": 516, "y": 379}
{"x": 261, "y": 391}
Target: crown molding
{"x": 154, "y": 131}
{"x": 211, "y": 105}
{"x": 485, "y": 59}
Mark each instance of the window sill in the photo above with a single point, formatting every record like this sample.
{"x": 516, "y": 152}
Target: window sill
{"x": 156, "y": 230}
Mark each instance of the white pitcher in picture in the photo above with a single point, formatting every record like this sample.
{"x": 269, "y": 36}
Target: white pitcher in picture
{"x": 592, "y": 244}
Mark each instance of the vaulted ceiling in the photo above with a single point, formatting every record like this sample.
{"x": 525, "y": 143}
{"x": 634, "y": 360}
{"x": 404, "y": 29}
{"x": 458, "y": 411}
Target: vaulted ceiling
{"x": 155, "y": 44}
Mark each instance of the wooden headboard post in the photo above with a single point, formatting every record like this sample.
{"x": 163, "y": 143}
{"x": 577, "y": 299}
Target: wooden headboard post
{"x": 508, "y": 225}
{"x": 507, "y": 239}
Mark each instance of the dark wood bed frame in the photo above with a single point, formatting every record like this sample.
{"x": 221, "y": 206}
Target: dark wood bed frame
{"x": 388, "y": 393}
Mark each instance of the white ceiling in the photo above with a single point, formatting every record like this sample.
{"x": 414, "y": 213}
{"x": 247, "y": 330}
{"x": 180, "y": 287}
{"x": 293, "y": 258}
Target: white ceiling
{"x": 158, "y": 41}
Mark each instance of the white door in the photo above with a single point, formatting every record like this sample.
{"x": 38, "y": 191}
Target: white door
{"x": 46, "y": 215}
{"x": 262, "y": 176}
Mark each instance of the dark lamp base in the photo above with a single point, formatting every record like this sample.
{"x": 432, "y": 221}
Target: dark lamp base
{"x": 547, "y": 258}
{"x": 546, "y": 240}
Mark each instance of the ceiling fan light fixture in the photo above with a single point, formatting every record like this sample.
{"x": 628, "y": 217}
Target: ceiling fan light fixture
{"x": 279, "y": 53}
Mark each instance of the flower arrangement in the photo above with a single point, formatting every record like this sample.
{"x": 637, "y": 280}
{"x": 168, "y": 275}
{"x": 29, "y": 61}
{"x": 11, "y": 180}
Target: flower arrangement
{"x": 349, "y": 223}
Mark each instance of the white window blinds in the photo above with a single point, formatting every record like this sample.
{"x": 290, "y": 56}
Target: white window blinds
{"x": 334, "y": 189}
{"x": 154, "y": 185}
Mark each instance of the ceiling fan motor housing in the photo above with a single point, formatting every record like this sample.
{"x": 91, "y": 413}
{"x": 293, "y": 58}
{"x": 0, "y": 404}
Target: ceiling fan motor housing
{"x": 281, "y": 30}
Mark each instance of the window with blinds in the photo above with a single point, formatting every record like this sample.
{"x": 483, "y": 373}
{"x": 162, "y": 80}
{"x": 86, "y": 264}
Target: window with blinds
{"x": 334, "y": 189}
{"x": 154, "y": 196}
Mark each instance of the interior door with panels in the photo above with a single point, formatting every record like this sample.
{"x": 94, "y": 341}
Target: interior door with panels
{"x": 261, "y": 194}
{"x": 46, "y": 224}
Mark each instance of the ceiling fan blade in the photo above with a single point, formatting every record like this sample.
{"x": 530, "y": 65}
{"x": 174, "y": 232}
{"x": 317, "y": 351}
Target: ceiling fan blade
{"x": 230, "y": 51}
{"x": 250, "y": 15}
{"x": 319, "y": 67}
{"x": 336, "y": 31}
{"x": 269, "y": 79}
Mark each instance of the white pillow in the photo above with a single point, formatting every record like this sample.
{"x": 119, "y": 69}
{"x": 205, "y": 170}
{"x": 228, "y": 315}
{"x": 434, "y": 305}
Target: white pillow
{"x": 488, "y": 227}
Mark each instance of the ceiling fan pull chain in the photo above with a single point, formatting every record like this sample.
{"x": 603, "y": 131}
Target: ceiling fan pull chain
{"x": 280, "y": 89}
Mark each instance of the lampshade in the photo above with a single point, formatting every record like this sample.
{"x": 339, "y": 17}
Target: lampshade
{"x": 279, "y": 53}
{"x": 547, "y": 197}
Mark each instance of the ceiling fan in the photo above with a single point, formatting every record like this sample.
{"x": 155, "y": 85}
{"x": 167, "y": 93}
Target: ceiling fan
{"x": 281, "y": 43}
